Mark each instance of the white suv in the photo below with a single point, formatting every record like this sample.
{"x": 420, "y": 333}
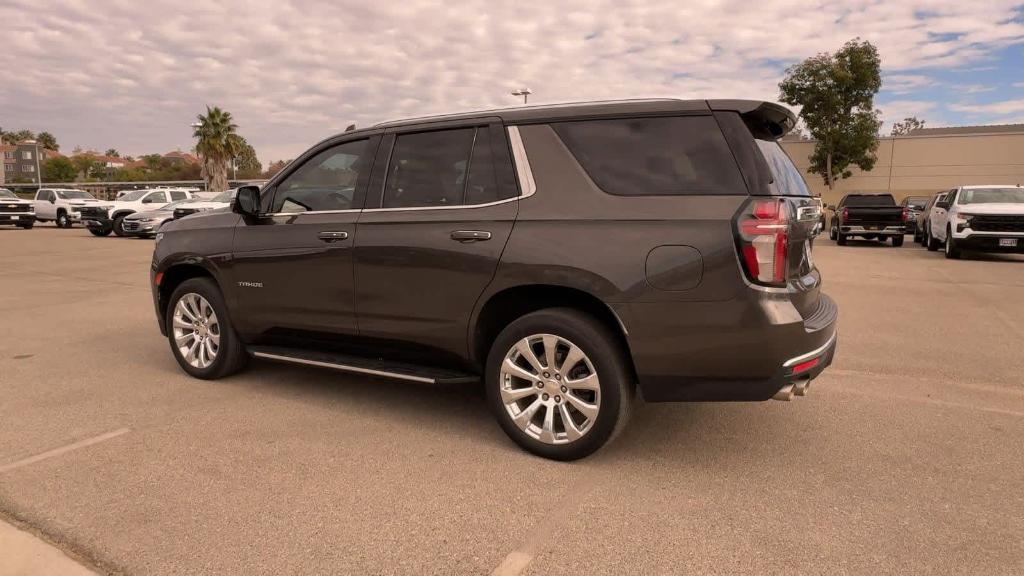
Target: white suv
{"x": 979, "y": 219}
{"x": 104, "y": 219}
{"x": 62, "y": 205}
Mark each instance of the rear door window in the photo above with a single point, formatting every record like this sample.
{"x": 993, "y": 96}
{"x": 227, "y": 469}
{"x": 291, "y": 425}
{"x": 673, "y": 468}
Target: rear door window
{"x": 431, "y": 169}
{"x": 654, "y": 156}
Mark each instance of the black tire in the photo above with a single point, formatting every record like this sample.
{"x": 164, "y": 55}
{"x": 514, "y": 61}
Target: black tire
{"x": 897, "y": 241}
{"x": 951, "y": 249}
{"x": 231, "y": 354}
{"x": 841, "y": 239}
{"x": 118, "y": 226}
{"x": 930, "y": 242}
{"x": 832, "y": 233}
{"x": 617, "y": 388}
{"x": 100, "y": 231}
{"x": 62, "y": 220}
{"x": 27, "y": 226}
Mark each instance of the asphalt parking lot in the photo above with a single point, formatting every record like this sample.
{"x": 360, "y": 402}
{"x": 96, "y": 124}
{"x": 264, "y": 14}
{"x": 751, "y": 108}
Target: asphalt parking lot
{"x": 907, "y": 457}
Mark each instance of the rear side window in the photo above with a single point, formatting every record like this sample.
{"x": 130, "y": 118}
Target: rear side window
{"x": 785, "y": 176}
{"x": 654, "y": 156}
{"x": 178, "y": 195}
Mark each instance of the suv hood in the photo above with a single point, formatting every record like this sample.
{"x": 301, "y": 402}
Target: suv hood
{"x": 81, "y": 201}
{"x": 994, "y": 208}
{"x": 13, "y": 201}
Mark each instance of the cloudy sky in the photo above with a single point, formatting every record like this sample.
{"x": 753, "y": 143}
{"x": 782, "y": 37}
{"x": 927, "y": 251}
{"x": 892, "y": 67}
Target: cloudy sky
{"x": 132, "y": 74}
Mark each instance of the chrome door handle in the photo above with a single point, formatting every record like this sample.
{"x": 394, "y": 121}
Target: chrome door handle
{"x": 333, "y": 236}
{"x": 471, "y": 235}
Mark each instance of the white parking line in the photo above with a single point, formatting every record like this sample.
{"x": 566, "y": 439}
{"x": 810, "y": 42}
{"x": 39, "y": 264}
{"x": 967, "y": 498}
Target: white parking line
{"x": 517, "y": 560}
{"x": 63, "y": 449}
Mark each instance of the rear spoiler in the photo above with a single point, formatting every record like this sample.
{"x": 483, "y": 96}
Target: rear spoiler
{"x": 766, "y": 120}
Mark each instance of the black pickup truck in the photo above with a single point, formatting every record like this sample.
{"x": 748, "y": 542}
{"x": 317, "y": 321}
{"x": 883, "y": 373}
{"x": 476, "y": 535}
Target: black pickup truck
{"x": 869, "y": 216}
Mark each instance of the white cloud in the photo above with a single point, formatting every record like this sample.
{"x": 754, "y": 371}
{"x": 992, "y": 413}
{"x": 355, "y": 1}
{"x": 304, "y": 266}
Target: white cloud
{"x": 132, "y": 75}
{"x": 897, "y": 110}
{"x": 906, "y": 83}
{"x": 1001, "y": 108}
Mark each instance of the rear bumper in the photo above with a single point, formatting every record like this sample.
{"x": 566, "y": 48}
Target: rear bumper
{"x": 867, "y": 230}
{"x": 728, "y": 351}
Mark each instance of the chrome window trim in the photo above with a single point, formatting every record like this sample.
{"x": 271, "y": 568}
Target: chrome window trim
{"x": 527, "y": 186}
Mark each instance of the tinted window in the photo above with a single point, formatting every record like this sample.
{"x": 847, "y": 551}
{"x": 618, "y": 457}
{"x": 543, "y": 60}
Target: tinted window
{"x": 785, "y": 176}
{"x": 482, "y": 186}
{"x": 428, "y": 169}
{"x": 155, "y": 198}
{"x": 652, "y": 156}
{"x": 869, "y": 200}
{"x": 326, "y": 181}
{"x": 178, "y": 195}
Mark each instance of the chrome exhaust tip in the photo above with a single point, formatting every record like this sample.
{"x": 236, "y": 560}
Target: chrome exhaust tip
{"x": 785, "y": 393}
{"x": 802, "y": 387}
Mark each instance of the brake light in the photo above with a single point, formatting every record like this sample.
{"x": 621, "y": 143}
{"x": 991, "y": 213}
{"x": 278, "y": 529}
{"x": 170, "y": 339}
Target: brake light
{"x": 846, "y": 214}
{"x": 804, "y": 366}
{"x": 763, "y": 230}
{"x": 906, "y": 214}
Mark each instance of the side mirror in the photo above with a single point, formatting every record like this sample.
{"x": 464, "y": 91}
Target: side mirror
{"x": 944, "y": 205}
{"x": 247, "y": 201}
{"x": 53, "y": 200}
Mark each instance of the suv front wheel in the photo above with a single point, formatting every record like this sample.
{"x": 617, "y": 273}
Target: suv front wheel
{"x": 199, "y": 330}
{"x": 558, "y": 383}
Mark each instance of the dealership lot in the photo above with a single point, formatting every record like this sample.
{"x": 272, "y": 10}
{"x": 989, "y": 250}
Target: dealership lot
{"x": 906, "y": 457}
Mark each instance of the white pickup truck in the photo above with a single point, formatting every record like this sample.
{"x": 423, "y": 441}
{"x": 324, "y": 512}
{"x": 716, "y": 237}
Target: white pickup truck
{"x": 977, "y": 219}
{"x": 109, "y": 217}
{"x": 15, "y": 211}
{"x": 62, "y": 205}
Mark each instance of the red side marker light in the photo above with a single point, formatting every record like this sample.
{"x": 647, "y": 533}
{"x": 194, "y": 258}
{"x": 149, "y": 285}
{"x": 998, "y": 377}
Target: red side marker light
{"x": 158, "y": 278}
{"x": 804, "y": 366}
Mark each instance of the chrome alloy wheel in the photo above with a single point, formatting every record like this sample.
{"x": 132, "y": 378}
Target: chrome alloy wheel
{"x": 196, "y": 330}
{"x": 550, "y": 389}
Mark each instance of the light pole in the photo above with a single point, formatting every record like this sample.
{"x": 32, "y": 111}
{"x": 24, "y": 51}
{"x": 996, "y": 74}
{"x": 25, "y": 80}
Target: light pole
{"x": 524, "y": 92}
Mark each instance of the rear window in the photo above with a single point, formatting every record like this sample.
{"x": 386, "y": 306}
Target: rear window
{"x": 870, "y": 200}
{"x": 654, "y": 156}
{"x": 785, "y": 176}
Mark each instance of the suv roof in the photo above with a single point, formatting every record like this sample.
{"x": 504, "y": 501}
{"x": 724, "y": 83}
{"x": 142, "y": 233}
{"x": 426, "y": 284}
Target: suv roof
{"x": 769, "y": 111}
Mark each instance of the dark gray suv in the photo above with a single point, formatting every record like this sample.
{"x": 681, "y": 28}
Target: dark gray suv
{"x": 563, "y": 255}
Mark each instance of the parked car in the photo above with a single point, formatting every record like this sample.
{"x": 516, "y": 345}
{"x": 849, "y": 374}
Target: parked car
{"x": 16, "y": 212}
{"x": 978, "y": 219}
{"x": 146, "y": 224}
{"x": 62, "y": 205}
{"x": 912, "y": 205}
{"x": 869, "y": 216}
{"x": 922, "y": 218}
{"x": 562, "y": 254}
{"x": 104, "y": 219}
{"x": 222, "y": 200}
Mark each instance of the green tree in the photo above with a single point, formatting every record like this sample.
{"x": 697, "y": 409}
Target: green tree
{"x": 906, "y": 126}
{"x": 86, "y": 165}
{"x": 218, "y": 143}
{"x": 246, "y": 162}
{"x": 48, "y": 141}
{"x": 59, "y": 169}
{"x": 112, "y": 153}
{"x": 15, "y": 137}
{"x": 836, "y": 94}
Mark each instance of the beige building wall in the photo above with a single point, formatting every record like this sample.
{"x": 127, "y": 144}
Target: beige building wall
{"x": 923, "y": 165}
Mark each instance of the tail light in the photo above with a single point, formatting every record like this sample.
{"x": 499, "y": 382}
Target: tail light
{"x": 763, "y": 237}
{"x": 846, "y": 214}
{"x": 906, "y": 214}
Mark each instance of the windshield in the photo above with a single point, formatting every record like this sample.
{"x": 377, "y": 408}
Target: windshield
{"x": 226, "y": 196}
{"x": 5, "y": 193}
{"x": 991, "y": 196}
{"x": 917, "y": 202}
{"x": 869, "y": 200}
{"x": 74, "y": 195}
{"x": 134, "y": 195}
{"x": 787, "y": 178}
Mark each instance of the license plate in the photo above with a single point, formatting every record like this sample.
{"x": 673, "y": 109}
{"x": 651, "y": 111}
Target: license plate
{"x": 873, "y": 227}
{"x": 15, "y": 217}
{"x": 1008, "y": 242}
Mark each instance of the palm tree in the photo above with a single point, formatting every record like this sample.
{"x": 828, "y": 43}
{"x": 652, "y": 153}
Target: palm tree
{"x": 218, "y": 144}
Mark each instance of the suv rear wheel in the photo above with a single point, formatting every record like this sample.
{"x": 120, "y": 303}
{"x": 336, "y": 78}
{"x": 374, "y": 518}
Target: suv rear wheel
{"x": 199, "y": 330}
{"x": 558, "y": 383}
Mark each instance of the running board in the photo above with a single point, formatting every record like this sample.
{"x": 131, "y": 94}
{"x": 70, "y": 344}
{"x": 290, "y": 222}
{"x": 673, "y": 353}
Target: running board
{"x": 362, "y": 365}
